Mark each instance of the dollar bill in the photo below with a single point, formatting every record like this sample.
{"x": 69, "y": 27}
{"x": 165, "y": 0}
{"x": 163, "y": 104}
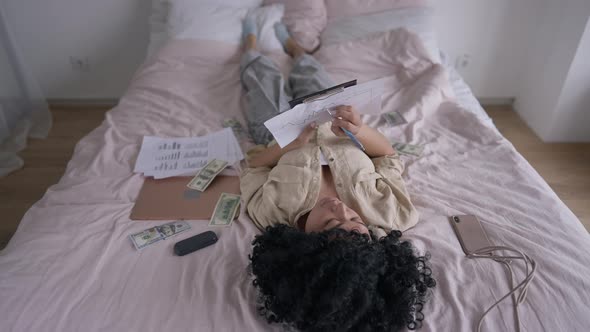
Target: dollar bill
{"x": 145, "y": 238}
{"x": 408, "y": 149}
{"x": 225, "y": 210}
{"x": 394, "y": 118}
{"x": 152, "y": 235}
{"x": 173, "y": 228}
{"x": 237, "y": 128}
{"x": 206, "y": 175}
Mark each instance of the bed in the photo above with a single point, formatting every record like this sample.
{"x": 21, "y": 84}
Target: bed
{"x": 70, "y": 266}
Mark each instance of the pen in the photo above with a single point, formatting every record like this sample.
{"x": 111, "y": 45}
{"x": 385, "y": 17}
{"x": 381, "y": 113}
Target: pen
{"x": 353, "y": 138}
{"x": 350, "y": 135}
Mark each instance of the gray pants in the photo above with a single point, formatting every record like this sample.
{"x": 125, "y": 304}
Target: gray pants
{"x": 267, "y": 95}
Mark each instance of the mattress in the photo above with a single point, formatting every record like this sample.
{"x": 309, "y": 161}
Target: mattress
{"x": 70, "y": 266}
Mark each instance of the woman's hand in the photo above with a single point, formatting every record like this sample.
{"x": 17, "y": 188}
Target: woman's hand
{"x": 376, "y": 145}
{"x": 348, "y": 118}
{"x": 270, "y": 156}
{"x": 305, "y": 135}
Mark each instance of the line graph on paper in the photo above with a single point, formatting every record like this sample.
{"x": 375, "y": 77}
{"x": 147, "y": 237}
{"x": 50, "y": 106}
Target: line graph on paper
{"x": 306, "y": 116}
{"x": 358, "y": 98}
{"x": 314, "y": 111}
{"x": 285, "y": 127}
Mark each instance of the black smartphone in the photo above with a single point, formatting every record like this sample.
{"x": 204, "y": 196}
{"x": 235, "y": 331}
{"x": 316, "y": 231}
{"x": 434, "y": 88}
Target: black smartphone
{"x": 195, "y": 243}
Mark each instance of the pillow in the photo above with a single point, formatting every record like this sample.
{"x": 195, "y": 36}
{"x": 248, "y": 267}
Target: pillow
{"x": 222, "y": 21}
{"x": 265, "y": 18}
{"x": 418, "y": 20}
{"x": 347, "y": 8}
{"x": 190, "y": 19}
{"x": 305, "y": 20}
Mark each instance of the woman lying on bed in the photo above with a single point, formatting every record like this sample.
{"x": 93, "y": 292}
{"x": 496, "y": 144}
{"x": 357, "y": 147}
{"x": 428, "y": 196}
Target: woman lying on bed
{"x": 330, "y": 256}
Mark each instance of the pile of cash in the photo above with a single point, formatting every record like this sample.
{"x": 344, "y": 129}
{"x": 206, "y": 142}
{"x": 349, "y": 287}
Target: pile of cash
{"x": 228, "y": 205}
{"x": 394, "y": 119}
{"x": 152, "y": 235}
{"x": 206, "y": 175}
{"x": 226, "y": 210}
{"x": 408, "y": 149}
{"x": 237, "y": 128}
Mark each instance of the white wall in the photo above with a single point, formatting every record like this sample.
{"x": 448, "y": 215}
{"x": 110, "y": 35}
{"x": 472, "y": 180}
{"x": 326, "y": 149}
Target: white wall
{"x": 113, "y": 34}
{"x": 571, "y": 121}
{"x": 528, "y": 49}
{"x": 495, "y": 33}
{"x": 8, "y": 81}
{"x": 555, "y": 75}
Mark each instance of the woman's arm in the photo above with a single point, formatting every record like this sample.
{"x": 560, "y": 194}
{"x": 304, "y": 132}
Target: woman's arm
{"x": 376, "y": 145}
{"x": 270, "y": 156}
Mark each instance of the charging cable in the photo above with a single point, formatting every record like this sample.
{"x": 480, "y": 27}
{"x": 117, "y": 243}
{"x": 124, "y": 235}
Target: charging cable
{"x": 517, "y": 292}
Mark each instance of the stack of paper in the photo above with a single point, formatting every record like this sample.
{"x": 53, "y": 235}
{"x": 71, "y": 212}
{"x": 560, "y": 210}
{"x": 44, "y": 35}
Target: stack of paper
{"x": 166, "y": 157}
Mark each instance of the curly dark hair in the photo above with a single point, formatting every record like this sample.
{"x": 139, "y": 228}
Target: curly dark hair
{"x": 339, "y": 281}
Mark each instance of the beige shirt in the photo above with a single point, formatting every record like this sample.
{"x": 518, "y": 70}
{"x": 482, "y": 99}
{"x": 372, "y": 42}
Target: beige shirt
{"x": 373, "y": 188}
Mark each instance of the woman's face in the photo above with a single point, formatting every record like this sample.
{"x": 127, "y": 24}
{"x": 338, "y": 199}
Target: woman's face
{"x": 329, "y": 213}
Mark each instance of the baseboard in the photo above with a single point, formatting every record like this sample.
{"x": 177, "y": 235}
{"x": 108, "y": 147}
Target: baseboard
{"x": 82, "y": 102}
{"x": 496, "y": 101}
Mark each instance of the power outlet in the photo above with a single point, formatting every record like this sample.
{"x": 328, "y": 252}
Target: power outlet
{"x": 463, "y": 61}
{"x": 80, "y": 64}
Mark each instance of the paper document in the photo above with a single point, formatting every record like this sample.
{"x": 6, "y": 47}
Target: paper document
{"x": 365, "y": 98}
{"x": 166, "y": 157}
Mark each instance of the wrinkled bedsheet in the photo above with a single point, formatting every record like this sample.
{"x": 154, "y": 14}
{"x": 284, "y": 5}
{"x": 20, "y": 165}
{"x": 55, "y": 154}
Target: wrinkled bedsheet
{"x": 71, "y": 267}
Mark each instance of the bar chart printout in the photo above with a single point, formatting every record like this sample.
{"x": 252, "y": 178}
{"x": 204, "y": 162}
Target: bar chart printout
{"x": 165, "y": 157}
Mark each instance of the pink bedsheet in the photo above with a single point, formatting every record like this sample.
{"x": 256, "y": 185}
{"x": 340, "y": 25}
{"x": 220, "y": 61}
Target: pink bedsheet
{"x": 71, "y": 267}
